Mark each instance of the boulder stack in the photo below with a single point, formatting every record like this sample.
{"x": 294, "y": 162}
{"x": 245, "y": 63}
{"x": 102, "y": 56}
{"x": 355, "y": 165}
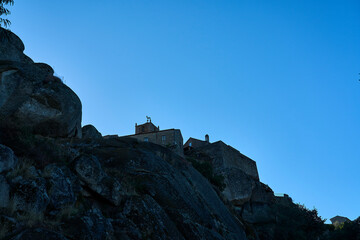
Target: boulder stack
{"x": 31, "y": 97}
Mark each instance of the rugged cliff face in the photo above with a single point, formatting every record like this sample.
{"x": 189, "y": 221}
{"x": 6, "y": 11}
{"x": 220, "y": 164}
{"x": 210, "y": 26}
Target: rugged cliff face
{"x": 57, "y": 185}
{"x": 60, "y": 181}
{"x": 252, "y": 201}
{"x": 31, "y": 97}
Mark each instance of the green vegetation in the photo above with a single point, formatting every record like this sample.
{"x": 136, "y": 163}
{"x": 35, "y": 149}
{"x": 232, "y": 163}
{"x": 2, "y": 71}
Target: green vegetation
{"x": 296, "y": 222}
{"x": 207, "y": 170}
{"x": 347, "y": 230}
{"x": 299, "y": 223}
{"x": 42, "y": 150}
{"x": 4, "y": 11}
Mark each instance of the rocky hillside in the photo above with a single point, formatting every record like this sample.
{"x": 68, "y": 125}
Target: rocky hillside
{"x": 60, "y": 181}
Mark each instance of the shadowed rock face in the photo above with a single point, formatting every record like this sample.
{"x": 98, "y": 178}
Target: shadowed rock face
{"x": 91, "y": 226}
{"x": 186, "y": 197}
{"x": 239, "y": 172}
{"x": 12, "y": 48}
{"x": 90, "y": 172}
{"x": 4, "y": 192}
{"x": 31, "y": 97}
{"x": 161, "y": 196}
{"x": 252, "y": 200}
{"x": 147, "y": 214}
{"x": 31, "y": 194}
{"x": 7, "y": 159}
{"x": 38, "y": 233}
{"x": 60, "y": 188}
{"x": 90, "y": 132}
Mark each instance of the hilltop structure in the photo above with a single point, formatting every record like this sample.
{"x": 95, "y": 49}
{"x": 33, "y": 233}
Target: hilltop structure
{"x": 170, "y": 138}
{"x": 222, "y": 154}
{"x": 192, "y": 143}
{"x": 239, "y": 171}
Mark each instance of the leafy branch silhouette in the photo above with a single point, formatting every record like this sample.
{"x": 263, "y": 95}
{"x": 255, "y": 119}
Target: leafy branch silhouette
{"x": 4, "y": 11}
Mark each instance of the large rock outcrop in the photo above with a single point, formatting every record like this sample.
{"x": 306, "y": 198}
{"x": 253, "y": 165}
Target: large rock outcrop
{"x": 38, "y": 233}
{"x": 31, "y": 98}
{"x": 12, "y": 48}
{"x": 90, "y": 172}
{"x": 30, "y": 195}
{"x": 186, "y": 197}
{"x": 240, "y": 172}
{"x": 90, "y": 132}
{"x": 253, "y": 201}
{"x": 150, "y": 218}
{"x": 60, "y": 187}
{"x": 91, "y": 226}
{"x": 161, "y": 196}
{"x": 56, "y": 185}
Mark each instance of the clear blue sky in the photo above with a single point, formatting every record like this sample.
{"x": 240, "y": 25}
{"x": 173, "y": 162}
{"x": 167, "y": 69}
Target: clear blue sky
{"x": 279, "y": 81}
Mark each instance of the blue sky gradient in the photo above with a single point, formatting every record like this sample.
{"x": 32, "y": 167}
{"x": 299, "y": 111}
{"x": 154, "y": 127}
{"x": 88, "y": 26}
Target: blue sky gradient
{"x": 278, "y": 80}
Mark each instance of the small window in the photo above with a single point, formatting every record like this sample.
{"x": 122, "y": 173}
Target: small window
{"x": 190, "y": 144}
{"x": 146, "y": 139}
{"x": 163, "y": 138}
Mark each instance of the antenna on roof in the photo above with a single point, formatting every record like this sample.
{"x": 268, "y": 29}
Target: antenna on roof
{"x": 148, "y": 119}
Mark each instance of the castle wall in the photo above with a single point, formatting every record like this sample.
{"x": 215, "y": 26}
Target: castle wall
{"x": 146, "y": 128}
{"x": 234, "y": 158}
{"x": 225, "y": 156}
{"x": 240, "y": 172}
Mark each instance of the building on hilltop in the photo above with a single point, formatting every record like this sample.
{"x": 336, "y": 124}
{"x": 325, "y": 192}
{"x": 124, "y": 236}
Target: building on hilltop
{"x": 147, "y": 127}
{"x": 192, "y": 143}
{"x": 170, "y": 138}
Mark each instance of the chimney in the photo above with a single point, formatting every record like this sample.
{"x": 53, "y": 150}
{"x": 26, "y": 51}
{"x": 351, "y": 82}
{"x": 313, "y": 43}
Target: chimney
{"x": 207, "y": 138}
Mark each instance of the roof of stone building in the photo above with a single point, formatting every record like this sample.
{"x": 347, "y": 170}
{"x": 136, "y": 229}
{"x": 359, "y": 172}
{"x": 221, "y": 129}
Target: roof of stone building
{"x": 195, "y": 142}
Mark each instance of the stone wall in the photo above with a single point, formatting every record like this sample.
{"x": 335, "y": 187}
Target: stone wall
{"x": 170, "y": 138}
{"x": 240, "y": 172}
{"x": 225, "y": 156}
{"x": 195, "y": 143}
{"x": 146, "y": 128}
